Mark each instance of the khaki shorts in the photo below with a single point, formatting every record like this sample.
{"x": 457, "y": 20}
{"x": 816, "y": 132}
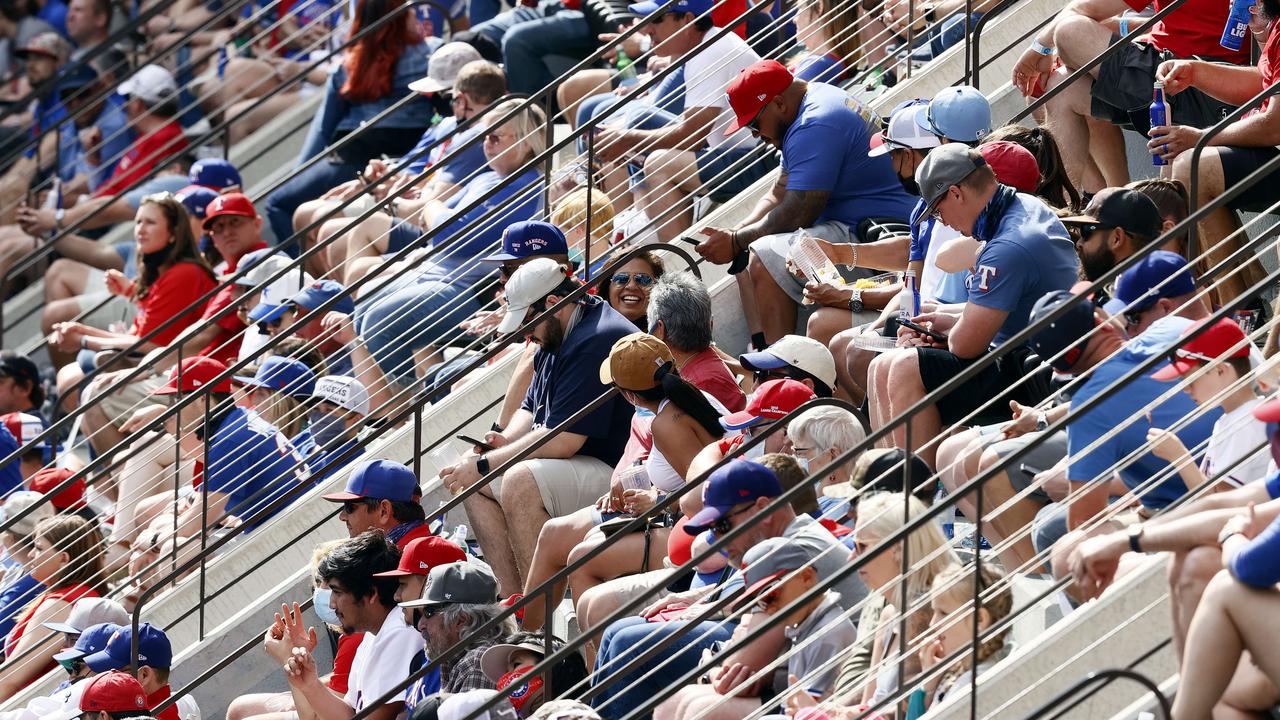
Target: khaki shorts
{"x": 568, "y": 485}
{"x": 120, "y": 404}
{"x": 114, "y": 309}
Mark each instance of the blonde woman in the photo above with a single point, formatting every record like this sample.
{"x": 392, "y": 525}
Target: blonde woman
{"x": 570, "y": 213}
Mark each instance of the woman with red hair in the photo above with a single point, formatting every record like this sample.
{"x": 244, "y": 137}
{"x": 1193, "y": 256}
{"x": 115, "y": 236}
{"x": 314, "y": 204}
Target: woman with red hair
{"x": 374, "y": 75}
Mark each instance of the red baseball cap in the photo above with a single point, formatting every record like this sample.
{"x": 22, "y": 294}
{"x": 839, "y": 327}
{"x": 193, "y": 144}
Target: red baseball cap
{"x": 195, "y": 374}
{"x": 1013, "y": 165}
{"x": 421, "y": 555}
{"x": 229, "y": 204}
{"x": 754, "y": 87}
{"x": 771, "y": 401}
{"x": 113, "y": 692}
{"x": 1223, "y": 339}
{"x": 49, "y": 478}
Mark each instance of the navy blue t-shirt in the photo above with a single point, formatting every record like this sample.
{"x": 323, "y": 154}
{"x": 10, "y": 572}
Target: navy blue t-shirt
{"x": 252, "y": 462}
{"x": 1116, "y": 414}
{"x": 568, "y": 380}
{"x": 11, "y": 474}
{"x": 15, "y": 599}
{"x": 826, "y": 149}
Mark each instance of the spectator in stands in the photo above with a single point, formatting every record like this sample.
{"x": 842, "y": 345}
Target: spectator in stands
{"x": 278, "y": 392}
{"x": 286, "y": 319}
{"x": 151, "y": 108}
{"x": 155, "y": 659}
{"x": 329, "y": 444}
{"x": 22, "y": 429}
{"x": 823, "y": 198}
{"x": 88, "y": 612}
{"x": 794, "y": 357}
{"x": 510, "y": 663}
{"x": 572, "y": 343}
{"x": 172, "y": 282}
{"x": 572, "y": 213}
{"x": 472, "y": 88}
{"x": 93, "y": 640}
{"x": 1117, "y": 223}
{"x": 832, "y": 47}
{"x": 628, "y": 288}
{"x": 1026, "y": 254}
{"x": 529, "y": 33}
{"x": 1055, "y": 187}
{"x": 776, "y": 573}
{"x": 43, "y": 56}
{"x": 375, "y": 73}
{"x": 20, "y": 387}
{"x": 458, "y": 600}
{"x": 694, "y": 153}
{"x": 88, "y": 24}
{"x": 771, "y": 401}
{"x": 887, "y": 469}
{"x": 1170, "y": 197}
{"x": 1087, "y": 342}
{"x": 680, "y": 316}
{"x": 361, "y": 603}
{"x": 1116, "y": 93}
{"x": 67, "y": 560}
{"x": 818, "y": 437}
{"x": 736, "y": 493}
{"x": 113, "y": 695}
{"x": 17, "y": 586}
{"x": 384, "y": 495}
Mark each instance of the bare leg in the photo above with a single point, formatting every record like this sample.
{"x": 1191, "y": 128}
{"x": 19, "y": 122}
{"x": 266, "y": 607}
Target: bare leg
{"x": 579, "y": 87}
{"x": 777, "y": 310}
{"x": 878, "y": 394}
{"x": 522, "y": 504}
{"x": 1189, "y": 574}
{"x": 671, "y": 177}
{"x": 624, "y": 557}
{"x": 247, "y": 706}
{"x": 490, "y": 526}
{"x": 1066, "y": 116}
{"x": 1106, "y": 145}
{"x": 556, "y": 540}
{"x": 747, "y": 295}
{"x": 906, "y": 389}
{"x": 1217, "y": 226}
{"x": 250, "y": 119}
{"x": 368, "y": 239}
{"x": 1014, "y": 521}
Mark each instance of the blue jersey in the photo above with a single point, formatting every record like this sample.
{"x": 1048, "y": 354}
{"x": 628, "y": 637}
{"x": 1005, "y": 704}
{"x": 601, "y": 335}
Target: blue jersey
{"x": 825, "y": 148}
{"x": 459, "y": 169}
{"x": 1115, "y": 415}
{"x": 481, "y": 239}
{"x": 11, "y": 474}
{"x": 821, "y": 68}
{"x": 252, "y": 463}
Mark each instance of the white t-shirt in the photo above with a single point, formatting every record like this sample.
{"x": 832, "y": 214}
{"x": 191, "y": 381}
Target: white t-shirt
{"x": 1236, "y": 434}
{"x": 931, "y": 274}
{"x": 382, "y": 661}
{"x": 706, "y": 79}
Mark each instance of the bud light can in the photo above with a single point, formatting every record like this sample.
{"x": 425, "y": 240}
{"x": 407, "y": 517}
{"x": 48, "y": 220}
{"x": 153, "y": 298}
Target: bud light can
{"x": 1237, "y": 25}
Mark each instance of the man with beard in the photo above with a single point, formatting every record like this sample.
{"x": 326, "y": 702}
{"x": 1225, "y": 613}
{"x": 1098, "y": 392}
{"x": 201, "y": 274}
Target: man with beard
{"x": 1117, "y": 223}
{"x": 459, "y": 599}
{"x": 572, "y": 470}
{"x": 364, "y": 601}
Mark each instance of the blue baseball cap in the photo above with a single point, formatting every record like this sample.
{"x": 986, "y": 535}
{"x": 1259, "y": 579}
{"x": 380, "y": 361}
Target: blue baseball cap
{"x": 93, "y": 639}
{"x": 1162, "y": 274}
{"x": 649, "y": 7}
{"x": 959, "y": 114}
{"x": 732, "y": 484}
{"x": 214, "y": 173}
{"x": 196, "y": 198}
{"x": 1061, "y": 343}
{"x": 380, "y": 479}
{"x": 285, "y": 375}
{"x": 76, "y": 77}
{"x": 529, "y": 238}
{"x": 321, "y": 291}
{"x": 154, "y": 649}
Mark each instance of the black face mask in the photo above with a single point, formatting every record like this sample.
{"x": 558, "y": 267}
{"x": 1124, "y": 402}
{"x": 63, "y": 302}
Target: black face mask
{"x": 153, "y": 260}
{"x": 910, "y": 185}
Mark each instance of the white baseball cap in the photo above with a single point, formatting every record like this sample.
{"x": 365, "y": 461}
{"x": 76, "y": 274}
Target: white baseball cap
{"x": 903, "y": 131}
{"x": 150, "y": 84}
{"x": 802, "y": 353}
{"x": 528, "y": 284}
{"x": 19, "y": 501}
{"x": 87, "y": 612}
{"x": 443, "y": 67}
{"x": 345, "y": 392}
{"x": 465, "y": 704}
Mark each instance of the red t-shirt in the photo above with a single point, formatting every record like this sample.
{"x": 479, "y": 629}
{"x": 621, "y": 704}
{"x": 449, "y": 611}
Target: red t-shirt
{"x": 142, "y": 156}
{"x": 347, "y": 646}
{"x": 159, "y": 696}
{"x": 175, "y": 291}
{"x": 1269, "y": 65}
{"x": 225, "y": 347}
{"x": 1195, "y": 28}
{"x": 707, "y": 372}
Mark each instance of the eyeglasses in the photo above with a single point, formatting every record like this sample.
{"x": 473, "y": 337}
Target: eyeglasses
{"x": 642, "y": 279}
{"x": 349, "y": 506}
{"x": 754, "y": 125}
{"x": 723, "y": 525}
{"x": 509, "y": 268}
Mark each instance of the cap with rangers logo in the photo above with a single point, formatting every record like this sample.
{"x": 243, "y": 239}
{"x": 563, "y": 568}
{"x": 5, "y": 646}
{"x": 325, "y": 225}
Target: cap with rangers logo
{"x": 732, "y": 484}
{"x": 530, "y": 238}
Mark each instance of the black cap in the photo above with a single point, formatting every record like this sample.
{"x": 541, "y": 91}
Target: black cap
{"x": 1065, "y": 337}
{"x": 19, "y": 366}
{"x": 887, "y": 472}
{"x": 1121, "y": 208}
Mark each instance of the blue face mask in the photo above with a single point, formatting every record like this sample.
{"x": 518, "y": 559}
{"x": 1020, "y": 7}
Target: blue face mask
{"x": 325, "y": 428}
{"x": 327, "y": 615}
{"x": 803, "y": 463}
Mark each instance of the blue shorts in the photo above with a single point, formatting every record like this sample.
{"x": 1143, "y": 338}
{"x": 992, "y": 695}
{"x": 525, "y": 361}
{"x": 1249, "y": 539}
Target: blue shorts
{"x": 730, "y": 172}
{"x": 403, "y": 234}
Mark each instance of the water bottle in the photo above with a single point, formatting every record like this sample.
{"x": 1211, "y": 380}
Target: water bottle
{"x": 222, "y": 62}
{"x": 909, "y": 296}
{"x": 626, "y": 69}
{"x": 1159, "y": 116}
{"x": 1237, "y": 25}
{"x": 458, "y": 537}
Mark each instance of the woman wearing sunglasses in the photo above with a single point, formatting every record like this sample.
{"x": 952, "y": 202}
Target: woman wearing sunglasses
{"x": 627, "y": 288}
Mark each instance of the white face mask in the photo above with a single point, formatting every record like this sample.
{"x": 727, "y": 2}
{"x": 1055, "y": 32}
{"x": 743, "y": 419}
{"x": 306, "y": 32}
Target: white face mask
{"x": 803, "y": 463}
{"x": 327, "y": 615}
{"x": 754, "y": 453}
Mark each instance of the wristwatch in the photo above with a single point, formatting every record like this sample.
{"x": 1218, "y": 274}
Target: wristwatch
{"x": 482, "y": 464}
{"x": 1042, "y": 421}
{"x": 1135, "y": 537}
{"x": 58, "y": 215}
{"x": 855, "y": 302}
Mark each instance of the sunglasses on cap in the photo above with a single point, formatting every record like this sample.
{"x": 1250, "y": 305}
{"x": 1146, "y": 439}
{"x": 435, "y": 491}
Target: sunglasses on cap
{"x": 642, "y": 279}
{"x": 1182, "y": 354}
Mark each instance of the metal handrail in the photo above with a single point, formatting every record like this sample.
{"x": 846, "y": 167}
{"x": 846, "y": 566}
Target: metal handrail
{"x": 1103, "y": 677}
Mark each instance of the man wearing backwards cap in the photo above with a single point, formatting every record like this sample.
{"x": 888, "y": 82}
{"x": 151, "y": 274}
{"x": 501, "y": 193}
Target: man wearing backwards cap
{"x": 571, "y": 471}
{"x": 332, "y": 423}
{"x": 1082, "y": 341}
{"x": 828, "y": 185}
{"x": 693, "y": 149}
{"x": 1026, "y": 254}
{"x": 385, "y": 495}
{"x": 1115, "y": 224}
{"x": 734, "y": 494}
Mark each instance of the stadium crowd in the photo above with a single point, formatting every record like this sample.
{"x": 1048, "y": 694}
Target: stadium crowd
{"x": 967, "y": 295}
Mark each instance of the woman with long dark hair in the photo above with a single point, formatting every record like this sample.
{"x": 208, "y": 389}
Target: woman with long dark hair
{"x": 374, "y": 75}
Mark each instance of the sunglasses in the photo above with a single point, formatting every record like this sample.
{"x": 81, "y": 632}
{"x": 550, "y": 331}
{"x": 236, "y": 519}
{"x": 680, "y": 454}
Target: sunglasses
{"x": 1188, "y": 355}
{"x": 349, "y": 506}
{"x": 642, "y": 279}
{"x": 1087, "y": 230}
{"x": 723, "y": 525}
{"x": 762, "y": 376}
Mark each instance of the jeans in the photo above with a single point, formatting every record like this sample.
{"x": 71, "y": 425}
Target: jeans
{"x": 637, "y": 115}
{"x": 629, "y": 638}
{"x": 308, "y": 185}
{"x": 529, "y": 34}
{"x": 480, "y": 11}
{"x": 411, "y": 313}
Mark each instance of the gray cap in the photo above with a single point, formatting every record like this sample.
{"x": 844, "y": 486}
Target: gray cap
{"x": 769, "y": 561}
{"x": 458, "y": 582}
{"x": 87, "y": 612}
{"x": 19, "y": 501}
{"x": 943, "y": 167}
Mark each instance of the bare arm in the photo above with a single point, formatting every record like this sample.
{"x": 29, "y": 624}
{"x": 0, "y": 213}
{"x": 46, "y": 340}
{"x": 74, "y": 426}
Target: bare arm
{"x": 795, "y": 209}
{"x": 518, "y": 385}
{"x": 1232, "y": 84}
{"x": 973, "y": 332}
{"x": 888, "y": 254}
{"x": 1234, "y": 499}
{"x": 40, "y": 642}
{"x": 1091, "y": 502}
{"x": 687, "y": 134}
{"x": 95, "y": 254}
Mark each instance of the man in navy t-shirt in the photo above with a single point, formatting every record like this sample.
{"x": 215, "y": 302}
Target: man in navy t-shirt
{"x": 571, "y": 471}
{"x": 828, "y": 185}
{"x": 247, "y": 462}
{"x": 1026, "y": 253}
